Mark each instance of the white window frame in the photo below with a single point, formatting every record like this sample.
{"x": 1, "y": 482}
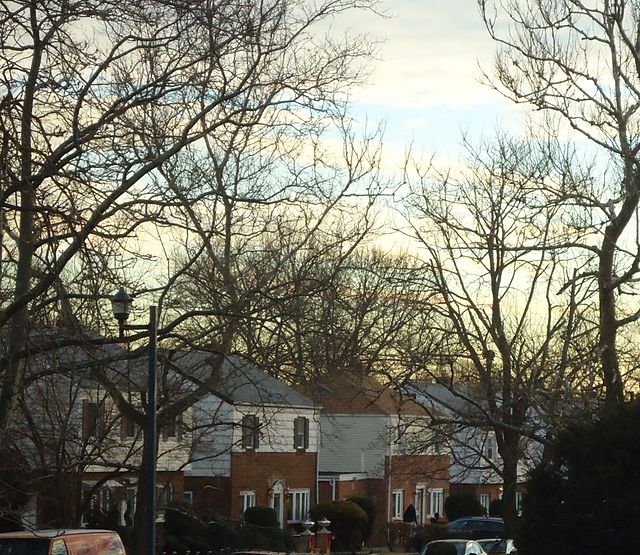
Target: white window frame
{"x": 301, "y": 428}
{"x": 485, "y": 501}
{"x": 299, "y": 500}
{"x": 436, "y": 501}
{"x": 187, "y": 497}
{"x": 421, "y": 495}
{"x": 490, "y": 447}
{"x": 247, "y": 500}
{"x": 397, "y": 504}
{"x": 519, "y": 500}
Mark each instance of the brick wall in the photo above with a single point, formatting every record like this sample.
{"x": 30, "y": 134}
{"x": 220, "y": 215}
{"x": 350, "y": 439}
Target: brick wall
{"x": 256, "y": 471}
{"x": 210, "y": 494}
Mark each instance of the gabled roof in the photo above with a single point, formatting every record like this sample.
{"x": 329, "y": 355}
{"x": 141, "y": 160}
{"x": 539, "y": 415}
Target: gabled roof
{"x": 444, "y": 397}
{"x": 240, "y": 380}
{"x": 345, "y": 393}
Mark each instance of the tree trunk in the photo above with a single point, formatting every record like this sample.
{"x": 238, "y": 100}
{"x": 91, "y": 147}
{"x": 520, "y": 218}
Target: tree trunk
{"x": 510, "y": 457}
{"x": 614, "y": 392}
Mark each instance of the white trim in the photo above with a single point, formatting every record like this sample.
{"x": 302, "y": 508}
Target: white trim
{"x": 397, "y": 504}
{"x": 299, "y": 503}
{"x": 420, "y": 502}
{"x": 436, "y": 501}
{"x": 247, "y": 500}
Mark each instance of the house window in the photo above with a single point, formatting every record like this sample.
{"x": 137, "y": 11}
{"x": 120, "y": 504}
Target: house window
{"x": 438, "y": 441}
{"x": 397, "y": 504}
{"x": 490, "y": 451}
{"x": 298, "y": 505}
{"x": 247, "y": 500}
{"x": 485, "y": 501}
{"x": 128, "y": 427}
{"x": 92, "y": 419}
{"x": 187, "y": 497}
{"x": 173, "y": 430}
{"x": 301, "y": 433}
{"x": 436, "y": 501}
{"x": 250, "y": 436}
{"x": 519, "y": 500}
{"x": 164, "y": 495}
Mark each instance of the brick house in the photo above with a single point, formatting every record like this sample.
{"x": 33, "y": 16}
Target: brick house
{"x": 251, "y": 441}
{"x": 373, "y": 444}
{"x": 255, "y": 444}
{"x": 475, "y": 460}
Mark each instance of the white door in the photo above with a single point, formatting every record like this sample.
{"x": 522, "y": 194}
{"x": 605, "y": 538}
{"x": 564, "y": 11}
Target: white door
{"x": 277, "y": 503}
{"x": 420, "y": 505}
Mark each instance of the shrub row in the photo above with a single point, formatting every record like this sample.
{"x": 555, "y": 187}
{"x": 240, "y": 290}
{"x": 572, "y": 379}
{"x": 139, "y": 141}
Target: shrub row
{"x": 186, "y": 532}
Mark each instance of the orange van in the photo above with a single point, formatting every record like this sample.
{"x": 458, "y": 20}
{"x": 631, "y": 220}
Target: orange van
{"x": 61, "y": 542}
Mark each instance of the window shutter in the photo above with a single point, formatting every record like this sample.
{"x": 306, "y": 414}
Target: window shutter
{"x": 245, "y": 431}
{"x": 256, "y": 434}
{"x": 101, "y": 424}
{"x": 85, "y": 419}
{"x": 124, "y": 426}
{"x": 296, "y": 426}
{"x": 306, "y": 432}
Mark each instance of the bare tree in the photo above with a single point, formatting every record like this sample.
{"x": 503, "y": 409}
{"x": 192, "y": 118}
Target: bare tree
{"x": 130, "y": 129}
{"x": 580, "y": 62}
{"x": 496, "y": 261}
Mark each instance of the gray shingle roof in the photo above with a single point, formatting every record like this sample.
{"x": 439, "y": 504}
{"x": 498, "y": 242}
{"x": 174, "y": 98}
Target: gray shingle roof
{"x": 241, "y": 381}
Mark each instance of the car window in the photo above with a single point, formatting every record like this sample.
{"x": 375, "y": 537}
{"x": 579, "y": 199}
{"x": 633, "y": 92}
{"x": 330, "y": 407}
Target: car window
{"x": 495, "y": 526}
{"x": 457, "y": 525}
{"x": 494, "y": 546}
{"x": 445, "y": 548}
{"x": 24, "y": 546}
{"x": 58, "y": 547}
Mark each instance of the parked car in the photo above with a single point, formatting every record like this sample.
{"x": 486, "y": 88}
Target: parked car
{"x": 61, "y": 542}
{"x": 498, "y": 546}
{"x": 476, "y": 527}
{"x": 453, "y": 547}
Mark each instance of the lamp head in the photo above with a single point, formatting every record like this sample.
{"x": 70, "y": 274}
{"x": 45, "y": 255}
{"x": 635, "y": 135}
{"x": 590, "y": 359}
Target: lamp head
{"x": 121, "y": 305}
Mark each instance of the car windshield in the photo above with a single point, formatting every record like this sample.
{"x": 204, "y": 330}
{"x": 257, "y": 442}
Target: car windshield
{"x": 24, "y": 546}
{"x": 494, "y": 546}
{"x": 445, "y": 548}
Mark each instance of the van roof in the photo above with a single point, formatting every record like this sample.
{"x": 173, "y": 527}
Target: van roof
{"x": 52, "y": 533}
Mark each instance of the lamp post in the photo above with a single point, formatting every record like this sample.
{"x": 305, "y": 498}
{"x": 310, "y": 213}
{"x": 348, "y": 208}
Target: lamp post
{"x": 121, "y": 305}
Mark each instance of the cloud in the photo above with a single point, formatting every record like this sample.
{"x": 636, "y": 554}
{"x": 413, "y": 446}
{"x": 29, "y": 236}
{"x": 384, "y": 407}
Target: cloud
{"x": 430, "y": 56}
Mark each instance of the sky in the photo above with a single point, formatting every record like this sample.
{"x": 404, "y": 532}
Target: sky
{"x": 426, "y": 86}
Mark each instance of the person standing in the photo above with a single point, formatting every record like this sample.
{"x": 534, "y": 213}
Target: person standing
{"x": 410, "y": 515}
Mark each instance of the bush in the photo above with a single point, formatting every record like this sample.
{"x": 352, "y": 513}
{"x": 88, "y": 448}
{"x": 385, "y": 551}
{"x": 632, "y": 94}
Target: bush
{"x": 179, "y": 520}
{"x": 172, "y": 544}
{"x": 495, "y": 507}
{"x": 219, "y": 535}
{"x": 368, "y": 505}
{"x": 425, "y": 534}
{"x": 279, "y": 539}
{"x": 462, "y": 504}
{"x": 348, "y": 521}
{"x": 585, "y": 498}
{"x": 251, "y": 537}
{"x": 261, "y": 516}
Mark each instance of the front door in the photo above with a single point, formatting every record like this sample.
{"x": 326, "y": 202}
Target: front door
{"x": 277, "y": 503}
{"x": 420, "y": 505}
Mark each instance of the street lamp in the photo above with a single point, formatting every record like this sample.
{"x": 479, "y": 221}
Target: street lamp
{"x": 121, "y": 305}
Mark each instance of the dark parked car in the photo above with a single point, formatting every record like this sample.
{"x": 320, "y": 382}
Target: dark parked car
{"x": 476, "y": 527}
{"x": 452, "y": 547}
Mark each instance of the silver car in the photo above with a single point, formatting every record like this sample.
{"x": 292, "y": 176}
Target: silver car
{"x": 453, "y": 547}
